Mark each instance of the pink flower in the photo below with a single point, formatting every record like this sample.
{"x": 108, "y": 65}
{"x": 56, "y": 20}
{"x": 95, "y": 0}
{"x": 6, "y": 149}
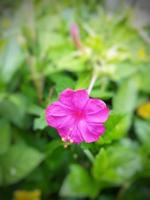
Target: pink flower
{"x": 77, "y": 117}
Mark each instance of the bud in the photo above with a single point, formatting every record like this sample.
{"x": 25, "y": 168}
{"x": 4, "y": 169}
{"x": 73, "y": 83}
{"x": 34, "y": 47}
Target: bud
{"x": 74, "y": 32}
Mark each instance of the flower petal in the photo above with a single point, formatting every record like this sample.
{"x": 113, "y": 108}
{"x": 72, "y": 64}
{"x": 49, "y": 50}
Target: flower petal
{"x": 57, "y": 115}
{"x": 77, "y": 99}
{"x": 66, "y": 97}
{"x": 71, "y": 134}
{"x": 95, "y": 105}
{"x": 98, "y": 117}
{"x": 96, "y": 111}
{"x": 80, "y": 98}
{"x": 90, "y": 131}
{"x": 57, "y": 109}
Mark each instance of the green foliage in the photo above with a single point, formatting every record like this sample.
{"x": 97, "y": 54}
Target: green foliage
{"x": 14, "y": 103}
{"x": 40, "y": 123}
{"x": 125, "y": 100}
{"x": 38, "y": 60}
{"x": 78, "y": 183}
{"x": 137, "y": 191}
{"x": 115, "y": 129}
{"x": 143, "y": 131}
{"x": 17, "y": 162}
{"x": 11, "y": 59}
{"x": 83, "y": 80}
{"x": 143, "y": 79}
{"x": 118, "y": 163}
{"x": 62, "y": 82}
{"x": 5, "y": 136}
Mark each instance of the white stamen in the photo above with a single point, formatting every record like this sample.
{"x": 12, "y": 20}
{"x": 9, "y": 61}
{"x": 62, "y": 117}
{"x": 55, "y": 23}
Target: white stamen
{"x": 65, "y": 145}
{"x": 71, "y": 140}
{"x": 68, "y": 137}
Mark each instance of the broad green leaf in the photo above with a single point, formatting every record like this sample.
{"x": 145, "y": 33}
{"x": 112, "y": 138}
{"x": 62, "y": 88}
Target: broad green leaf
{"x": 18, "y": 162}
{"x": 35, "y": 110}
{"x": 83, "y": 81}
{"x": 13, "y": 108}
{"x": 143, "y": 78}
{"x": 66, "y": 63}
{"x": 62, "y": 82}
{"x": 78, "y": 183}
{"x": 115, "y": 129}
{"x": 146, "y": 164}
{"x": 40, "y": 122}
{"x": 97, "y": 93}
{"x": 5, "y": 136}
{"x": 124, "y": 70}
{"x": 143, "y": 131}
{"x": 52, "y": 146}
{"x": 10, "y": 61}
{"x": 118, "y": 163}
{"x": 101, "y": 163}
{"x": 124, "y": 101}
{"x": 145, "y": 173}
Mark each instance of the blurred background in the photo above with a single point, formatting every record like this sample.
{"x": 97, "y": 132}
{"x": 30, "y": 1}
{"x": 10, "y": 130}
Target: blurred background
{"x": 40, "y": 56}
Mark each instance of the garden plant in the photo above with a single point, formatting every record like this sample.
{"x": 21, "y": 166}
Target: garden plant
{"x": 74, "y": 101}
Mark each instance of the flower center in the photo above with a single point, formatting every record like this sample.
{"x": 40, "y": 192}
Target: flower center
{"x": 79, "y": 114}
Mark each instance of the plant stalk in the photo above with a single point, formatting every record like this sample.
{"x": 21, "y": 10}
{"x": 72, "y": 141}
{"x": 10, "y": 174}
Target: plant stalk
{"x": 93, "y": 80}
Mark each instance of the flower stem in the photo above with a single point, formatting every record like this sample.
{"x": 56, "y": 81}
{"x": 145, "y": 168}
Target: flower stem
{"x": 122, "y": 191}
{"x": 144, "y": 35}
{"x": 89, "y": 155}
{"x": 93, "y": 80}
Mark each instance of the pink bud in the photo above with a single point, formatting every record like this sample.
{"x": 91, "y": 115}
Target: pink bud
{"x": 74, "y": 31}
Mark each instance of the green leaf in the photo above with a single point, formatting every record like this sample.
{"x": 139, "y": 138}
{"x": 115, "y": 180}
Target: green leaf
{"x": 70, "y": 63}
{"x": 97, "y": 93}
{"x": 83, "y": 81}
{"x": 125, "y": 99}
{"x": 5, "y": 136}
{"x": 40, "y": 122}
{"x": 101, "y": 163}
{"x": 143, "y": 131}
{"x": 118, "y": 163}
{"x": 11, "y": 60}
{"x": 115, "y": 129}
{"x": 124, "y": 70}
{"x": 35, "y": 110}
{"x": 13, "y": 108}
{"x": 52, "y": 146}
{"x": 143, "y": 78}
{"x": 78, "y": 184}
{"x": 17, "y": 163}
{"x": 62, "y": 82}
{"x": 124, "y": 102}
